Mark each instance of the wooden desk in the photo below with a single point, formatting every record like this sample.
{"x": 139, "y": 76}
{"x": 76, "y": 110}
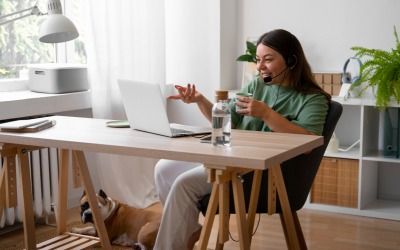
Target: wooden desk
{"x": 250, "y": 150}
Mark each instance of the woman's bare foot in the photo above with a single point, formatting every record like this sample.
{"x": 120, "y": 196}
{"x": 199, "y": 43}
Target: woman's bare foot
{"x": 193, "y": 239}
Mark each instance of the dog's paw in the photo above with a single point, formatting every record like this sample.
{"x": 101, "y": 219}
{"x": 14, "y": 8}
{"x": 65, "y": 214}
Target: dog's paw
{"x": 75, "y": 230}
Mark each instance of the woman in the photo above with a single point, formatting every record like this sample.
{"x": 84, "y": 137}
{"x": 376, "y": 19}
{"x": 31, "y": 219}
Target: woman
{"x": 290, "y": 101}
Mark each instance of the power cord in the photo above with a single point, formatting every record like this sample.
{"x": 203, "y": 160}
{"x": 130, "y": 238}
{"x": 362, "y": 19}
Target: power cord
{"x": 277, "y": 94}
{"x": 259, "y": 216}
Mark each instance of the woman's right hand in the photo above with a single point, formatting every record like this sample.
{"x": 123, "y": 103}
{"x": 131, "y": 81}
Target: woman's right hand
{"x": 187, "y": 94}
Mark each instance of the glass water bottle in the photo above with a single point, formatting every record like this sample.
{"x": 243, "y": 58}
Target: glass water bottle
{"x": 221, "y": 120}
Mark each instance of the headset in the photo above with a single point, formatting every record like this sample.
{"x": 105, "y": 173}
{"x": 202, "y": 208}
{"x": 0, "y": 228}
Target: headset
{"x": 290, "y": 62}
{"x": 345, "y": 78}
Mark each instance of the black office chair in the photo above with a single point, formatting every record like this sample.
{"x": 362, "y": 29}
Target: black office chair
{"x": 298, "y": 174}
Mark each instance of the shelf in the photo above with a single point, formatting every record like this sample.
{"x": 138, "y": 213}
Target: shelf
{"x": 17, "y": 104}
{"x": 348, "y": 101}
{"x": 353, "y": 153}
{"x": 370, "y": 101}
{"x": 378, "y": 156}
{"x": 366, "y": 101}
{"x": 384, "y": 208}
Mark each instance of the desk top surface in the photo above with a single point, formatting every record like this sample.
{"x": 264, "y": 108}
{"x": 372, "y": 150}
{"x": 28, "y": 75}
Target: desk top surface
{"x": 249, "y": 149}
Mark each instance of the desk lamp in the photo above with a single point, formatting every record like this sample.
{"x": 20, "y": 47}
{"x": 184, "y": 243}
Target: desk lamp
{"x": 57, "y": 28}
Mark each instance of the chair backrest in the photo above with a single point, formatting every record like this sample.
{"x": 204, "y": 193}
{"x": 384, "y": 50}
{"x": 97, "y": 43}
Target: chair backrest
{"x": 298, "y": 173}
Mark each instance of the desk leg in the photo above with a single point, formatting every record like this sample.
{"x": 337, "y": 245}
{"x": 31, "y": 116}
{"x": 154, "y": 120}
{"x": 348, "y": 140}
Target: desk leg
{"x": 300, "y": 235}
{"x": 219, "y": 246}
{"x": 255, "y": 191}
{"x": 208, "y": 222}
{"x": 11, "y": 181}
{"x": 223, "y": 234}
{"x": 2, "y": 190}
{"x": 87, "y": 183}
{"x": 240, "y": 210}
{"x": 26, "y": 198}
{"x": 63, "y": 192}
{"x": 286, "y": 210}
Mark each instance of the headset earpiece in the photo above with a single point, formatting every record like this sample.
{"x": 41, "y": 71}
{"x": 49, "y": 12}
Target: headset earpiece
{"x": 291, "y": 60}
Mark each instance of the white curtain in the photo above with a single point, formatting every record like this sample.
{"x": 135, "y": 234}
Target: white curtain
{"x": 124, "y": 39}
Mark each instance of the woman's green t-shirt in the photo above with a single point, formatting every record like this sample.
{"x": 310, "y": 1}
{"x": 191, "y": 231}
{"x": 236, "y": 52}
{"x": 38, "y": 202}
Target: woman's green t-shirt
{"x": 304, "y": 110}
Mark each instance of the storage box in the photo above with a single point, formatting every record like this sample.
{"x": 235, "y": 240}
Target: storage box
{"x": 330, "y": 82}
{"x": 336, "y": 183}
{"x": 319, "y": 79}
{"x": 57, "y": 78}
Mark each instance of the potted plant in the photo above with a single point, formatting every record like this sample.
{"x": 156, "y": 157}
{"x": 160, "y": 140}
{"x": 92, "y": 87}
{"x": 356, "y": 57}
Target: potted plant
{"x": 382, "y": 72}
{"x": 250, "y": 68}
{"x": 250, "y": 55}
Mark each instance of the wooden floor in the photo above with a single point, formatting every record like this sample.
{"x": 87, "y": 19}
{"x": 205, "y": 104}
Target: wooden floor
{"x": 322, "y": 230}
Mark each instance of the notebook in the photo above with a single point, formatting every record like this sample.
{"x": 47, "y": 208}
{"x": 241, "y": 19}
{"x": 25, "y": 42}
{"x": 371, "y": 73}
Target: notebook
{"x": 22, "y": 123}
{"x": 35, "y": 128}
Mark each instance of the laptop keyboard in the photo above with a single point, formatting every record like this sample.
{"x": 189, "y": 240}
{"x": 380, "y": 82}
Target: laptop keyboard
{"x": 176, "y": 131}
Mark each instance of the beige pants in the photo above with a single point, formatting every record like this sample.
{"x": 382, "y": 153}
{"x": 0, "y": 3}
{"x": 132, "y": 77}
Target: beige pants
{"x": 180, "y": 185}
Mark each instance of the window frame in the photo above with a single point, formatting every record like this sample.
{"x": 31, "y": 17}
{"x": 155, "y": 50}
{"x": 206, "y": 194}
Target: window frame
{"x": 64, "y": 53}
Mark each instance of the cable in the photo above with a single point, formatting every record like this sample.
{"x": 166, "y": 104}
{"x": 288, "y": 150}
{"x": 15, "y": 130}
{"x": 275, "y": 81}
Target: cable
{"x": 259, "y": 214}
{"x": 345, "y": 150}
{"x": 277, "y": 93}
{"x": 259, "y": 217}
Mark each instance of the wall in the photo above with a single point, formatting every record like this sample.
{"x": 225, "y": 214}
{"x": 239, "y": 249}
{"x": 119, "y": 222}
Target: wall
{"x": 200, "y": 47}
{"x": 327, "y": 30}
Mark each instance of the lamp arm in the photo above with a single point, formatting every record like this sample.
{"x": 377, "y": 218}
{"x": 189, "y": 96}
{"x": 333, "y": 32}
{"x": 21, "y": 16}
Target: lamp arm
{"x": 15, "y": 19}
{"x": 16, "y": 12}
{"x": 34, "y": 11}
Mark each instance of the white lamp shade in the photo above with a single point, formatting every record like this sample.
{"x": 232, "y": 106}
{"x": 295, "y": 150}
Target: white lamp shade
{"x": 57, "y": 28}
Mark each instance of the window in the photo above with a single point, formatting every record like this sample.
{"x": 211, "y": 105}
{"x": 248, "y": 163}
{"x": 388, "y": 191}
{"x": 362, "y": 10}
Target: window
{"x": 80, "y": 52}
{"x": 19, "y": 40}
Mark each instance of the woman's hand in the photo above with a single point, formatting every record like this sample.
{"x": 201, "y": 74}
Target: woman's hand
{"x": 252, "y": 107}
{"x": 187, "y": 95}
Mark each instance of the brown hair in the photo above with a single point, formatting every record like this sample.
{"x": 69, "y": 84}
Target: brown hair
{"x": 280, "y": 40}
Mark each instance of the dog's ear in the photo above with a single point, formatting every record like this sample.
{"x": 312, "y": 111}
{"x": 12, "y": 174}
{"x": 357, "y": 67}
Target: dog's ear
{"x": 83, "y": 195}
{"x": 103, "y": 195}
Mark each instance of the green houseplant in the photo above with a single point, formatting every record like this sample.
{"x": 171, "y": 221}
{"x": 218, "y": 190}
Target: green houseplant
{"x": 250, "y": 68}
{"x": 382, "y": 72}
{"x": 250, "y": 55}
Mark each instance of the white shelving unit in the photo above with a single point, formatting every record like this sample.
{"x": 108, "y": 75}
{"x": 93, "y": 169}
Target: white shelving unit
{"x": 361, "y": 120}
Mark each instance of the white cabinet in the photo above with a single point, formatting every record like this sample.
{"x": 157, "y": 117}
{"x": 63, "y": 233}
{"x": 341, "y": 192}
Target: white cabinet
{"x": 379, "y": 177}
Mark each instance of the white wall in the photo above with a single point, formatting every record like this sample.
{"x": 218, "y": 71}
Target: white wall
{"x": 202, "y": 50}
{"x": 197, "y": 43}
{"x": 326, "y": 29}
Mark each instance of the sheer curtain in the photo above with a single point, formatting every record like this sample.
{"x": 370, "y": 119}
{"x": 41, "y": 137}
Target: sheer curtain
{"x": 124, "y": 39}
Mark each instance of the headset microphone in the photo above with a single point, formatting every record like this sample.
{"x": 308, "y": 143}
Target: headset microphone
{"x": 269, "y": 79}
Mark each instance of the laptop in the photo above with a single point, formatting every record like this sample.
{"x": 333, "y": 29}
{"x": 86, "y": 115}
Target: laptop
{"x": 144, "y": 107}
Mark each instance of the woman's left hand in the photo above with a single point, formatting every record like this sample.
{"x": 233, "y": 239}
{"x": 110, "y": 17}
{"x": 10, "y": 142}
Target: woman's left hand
{"x": 252, "y": 107}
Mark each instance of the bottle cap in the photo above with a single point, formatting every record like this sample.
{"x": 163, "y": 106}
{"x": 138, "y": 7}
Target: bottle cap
{"x": 221, "y": 95}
